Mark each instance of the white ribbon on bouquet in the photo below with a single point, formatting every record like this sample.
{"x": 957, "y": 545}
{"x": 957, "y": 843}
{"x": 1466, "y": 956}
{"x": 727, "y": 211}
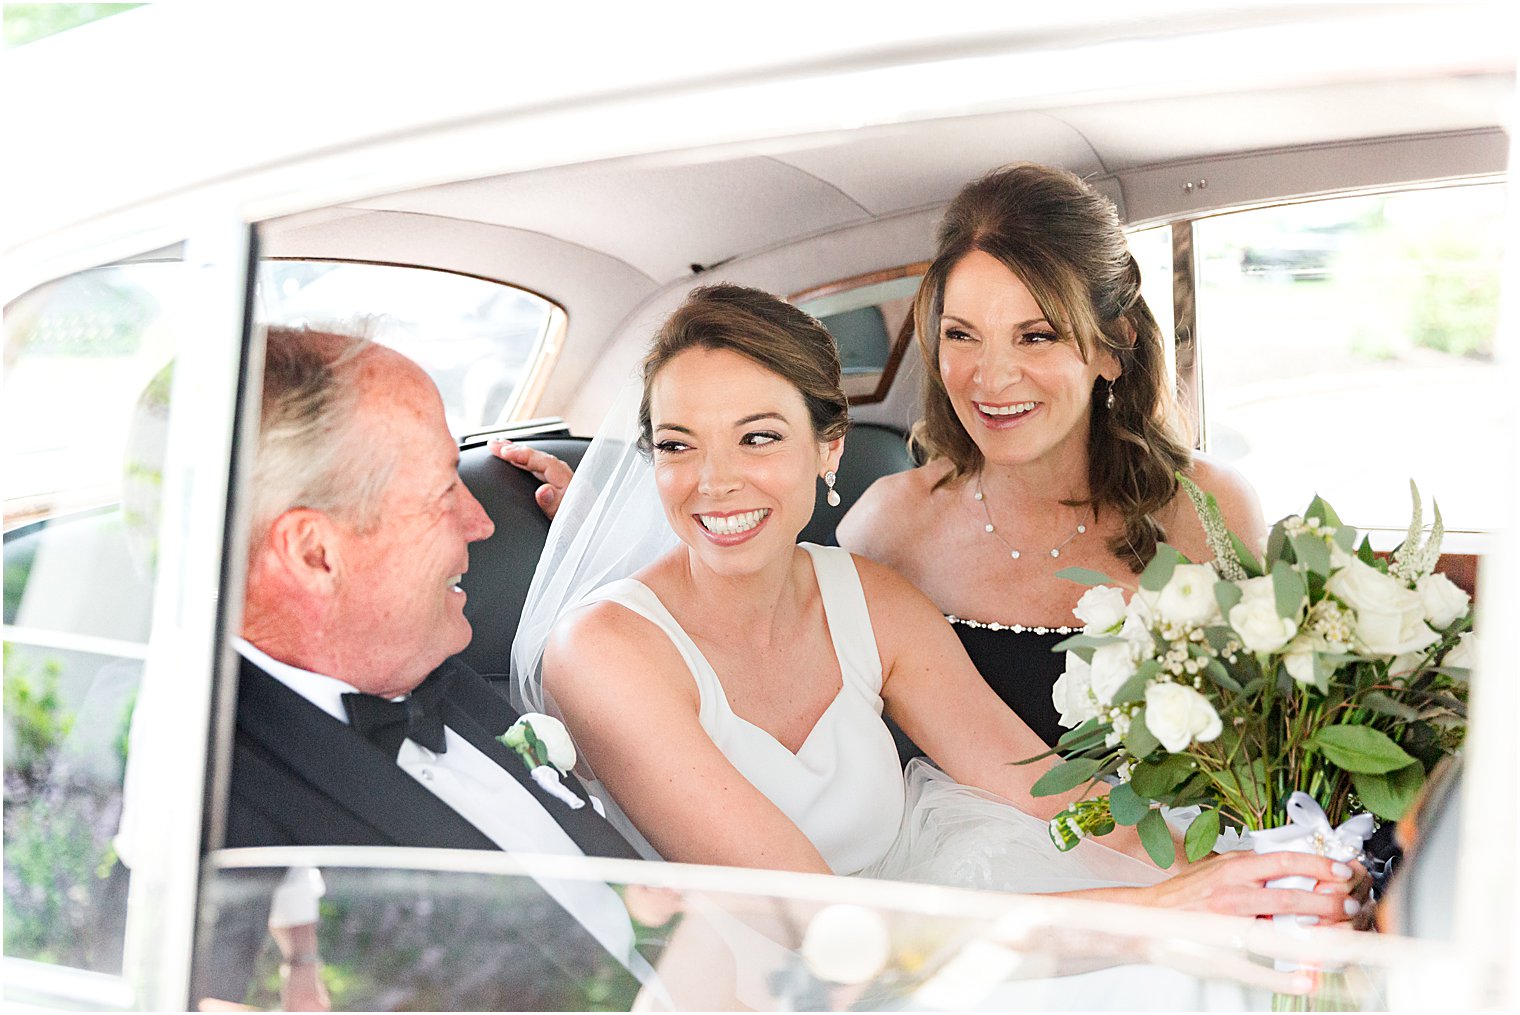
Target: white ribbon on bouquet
{"x": 1309, "y": 831}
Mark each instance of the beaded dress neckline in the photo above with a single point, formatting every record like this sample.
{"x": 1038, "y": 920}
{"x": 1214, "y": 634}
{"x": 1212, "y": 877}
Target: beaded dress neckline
{"x": 993, "y": 625}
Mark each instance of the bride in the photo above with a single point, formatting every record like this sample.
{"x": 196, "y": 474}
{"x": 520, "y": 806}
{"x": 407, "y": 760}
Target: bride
{"x": 726, "y": 685}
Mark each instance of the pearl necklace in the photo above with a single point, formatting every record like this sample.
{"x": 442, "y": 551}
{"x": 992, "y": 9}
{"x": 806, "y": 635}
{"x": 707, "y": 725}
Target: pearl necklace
{"x": 1013, "y": 552}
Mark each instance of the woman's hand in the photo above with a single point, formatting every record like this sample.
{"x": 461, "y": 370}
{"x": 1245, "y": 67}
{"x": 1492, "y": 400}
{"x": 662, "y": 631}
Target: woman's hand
{"x": 548, "y": 470}
{"x": 1236, "y": 885}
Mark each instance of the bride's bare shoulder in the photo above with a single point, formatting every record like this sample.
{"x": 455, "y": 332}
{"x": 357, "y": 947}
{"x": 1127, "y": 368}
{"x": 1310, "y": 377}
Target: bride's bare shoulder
{"x": 608, "y": 650}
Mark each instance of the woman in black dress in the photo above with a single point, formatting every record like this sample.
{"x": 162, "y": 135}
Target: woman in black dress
{"x": 1048, "y": 428}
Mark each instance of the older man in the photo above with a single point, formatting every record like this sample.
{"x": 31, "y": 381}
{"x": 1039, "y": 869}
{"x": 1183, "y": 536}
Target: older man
{"x": 353, "y": 726}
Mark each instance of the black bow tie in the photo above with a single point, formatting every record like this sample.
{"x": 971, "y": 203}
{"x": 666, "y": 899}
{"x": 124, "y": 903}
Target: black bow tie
{"x": 386, "y": 723}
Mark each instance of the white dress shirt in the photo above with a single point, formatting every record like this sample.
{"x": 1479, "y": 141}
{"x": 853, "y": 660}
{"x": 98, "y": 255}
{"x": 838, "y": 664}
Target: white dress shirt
{"x": 487, "y": 797}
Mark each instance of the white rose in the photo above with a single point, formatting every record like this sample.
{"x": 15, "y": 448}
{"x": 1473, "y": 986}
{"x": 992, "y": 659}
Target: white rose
{"x": 1389, "y": 617}
{"x": 1187, "y": 600}
{"x": 1464, "y": 653}
{"x": 1112, "y": 665}
{"x": 1179, "y": 715}
{"x": 1441, "y": 599}
{"x": 1101, "y": 609}
{"x": 1255, "y": 617}
{"x": 1071, "y": 693}
{"x": 550, "y": 732}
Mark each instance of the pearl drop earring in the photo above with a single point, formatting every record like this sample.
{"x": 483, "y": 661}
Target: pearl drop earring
{"x": 833, "y": 495}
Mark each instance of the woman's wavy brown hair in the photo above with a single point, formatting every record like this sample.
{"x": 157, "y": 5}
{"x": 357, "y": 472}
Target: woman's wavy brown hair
{"x": 1064, "y": 242}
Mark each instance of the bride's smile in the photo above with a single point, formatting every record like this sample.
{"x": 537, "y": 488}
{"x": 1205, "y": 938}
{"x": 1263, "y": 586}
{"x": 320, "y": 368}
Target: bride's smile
{"x": 734, "y": 525}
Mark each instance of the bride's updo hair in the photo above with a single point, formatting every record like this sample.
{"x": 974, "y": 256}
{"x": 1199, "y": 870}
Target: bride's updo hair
{"x": 761, "y": 327}
{"x": 1065, "y": 243}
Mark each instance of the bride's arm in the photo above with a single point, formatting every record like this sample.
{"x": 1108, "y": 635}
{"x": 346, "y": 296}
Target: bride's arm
{"x": 631, "y": 705}
{"x": 932, "y": 690}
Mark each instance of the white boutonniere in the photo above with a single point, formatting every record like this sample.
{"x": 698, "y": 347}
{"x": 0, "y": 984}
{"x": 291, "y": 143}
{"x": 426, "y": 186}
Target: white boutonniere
{"x": 546, "y": 748}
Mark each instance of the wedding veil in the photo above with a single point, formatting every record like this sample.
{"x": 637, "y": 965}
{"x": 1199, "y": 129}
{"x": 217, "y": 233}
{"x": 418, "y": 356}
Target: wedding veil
{"x": 609, "y": 526}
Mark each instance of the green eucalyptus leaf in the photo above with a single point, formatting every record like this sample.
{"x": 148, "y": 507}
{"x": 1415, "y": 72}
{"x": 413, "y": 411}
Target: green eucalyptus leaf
{"x": 1066, "y": 776}
{"x": 1086, "y": 742}
{"x": 1221, "y": 676}
{"x": 1227, "y": 594}
{"x": 1156, "y": 837}
{"x": 1159, "y": 571}
{"x": 1312, "y": 552}
{"x": 1201, "y": 835}
{"x": 1360, "y": 749}
{"x": 1246, "y": 557}
{"x": 1288, "y": 586}
{"x": 1345, "y": 538}
{"x": 1131, "y": 690}
{"x": 1089, "y": 641}
{"x": 1197, "y": 790}
{"x": 1140, "y": 741}
{"x": 1381, "y": 703}
{"x": 1081, "y": 732}
{"x": 1366, "y": 554}
{"x": 1127, "y": 806}
{"x": 1318, "y": 508}
{"x": 1155, "y": 779}
{"x": 1085, "y": 576}
{"x": 1389, "y": 794}
{"x": 1276, "y": 540}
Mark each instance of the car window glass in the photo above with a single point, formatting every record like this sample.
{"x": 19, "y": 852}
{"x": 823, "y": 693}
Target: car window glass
{"x": 1347, "y": 347}
{"x": 870, "y": 320}
{"x": 88, "y": 370}
{"x": 483, "y": 343}
{"x": 466, "y": 938}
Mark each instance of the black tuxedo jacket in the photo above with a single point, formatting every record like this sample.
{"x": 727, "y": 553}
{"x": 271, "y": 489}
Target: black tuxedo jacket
{"x": 302, "y": 778}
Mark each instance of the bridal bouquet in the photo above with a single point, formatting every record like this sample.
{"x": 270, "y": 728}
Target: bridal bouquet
{"x": 1230, "y": 686}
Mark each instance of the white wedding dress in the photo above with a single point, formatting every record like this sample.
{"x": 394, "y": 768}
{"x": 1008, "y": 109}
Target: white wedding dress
{"x": 844, "y": 788}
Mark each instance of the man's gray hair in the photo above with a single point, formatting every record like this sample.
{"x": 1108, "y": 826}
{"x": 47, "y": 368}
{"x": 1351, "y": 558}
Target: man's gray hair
{"x": 309, "y": 455}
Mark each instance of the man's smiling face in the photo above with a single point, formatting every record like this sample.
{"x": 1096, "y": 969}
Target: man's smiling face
{"x": 397, "y": 600}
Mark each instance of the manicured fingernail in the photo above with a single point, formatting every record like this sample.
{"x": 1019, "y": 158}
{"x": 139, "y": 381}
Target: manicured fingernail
{"x": 1353, "y": 907}
{"x": 1341, "y": 870}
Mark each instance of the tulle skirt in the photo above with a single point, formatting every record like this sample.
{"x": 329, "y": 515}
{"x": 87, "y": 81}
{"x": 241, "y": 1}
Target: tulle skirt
{"x": 963, "y": 837}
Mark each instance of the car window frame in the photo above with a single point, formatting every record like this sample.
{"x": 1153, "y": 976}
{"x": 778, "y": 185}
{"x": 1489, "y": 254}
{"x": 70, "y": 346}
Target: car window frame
{"x": 900, "y": 342}
{"x": 193, "y": 597}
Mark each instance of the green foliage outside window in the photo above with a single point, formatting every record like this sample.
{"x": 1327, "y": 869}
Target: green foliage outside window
{"x": 65, "y": 892}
